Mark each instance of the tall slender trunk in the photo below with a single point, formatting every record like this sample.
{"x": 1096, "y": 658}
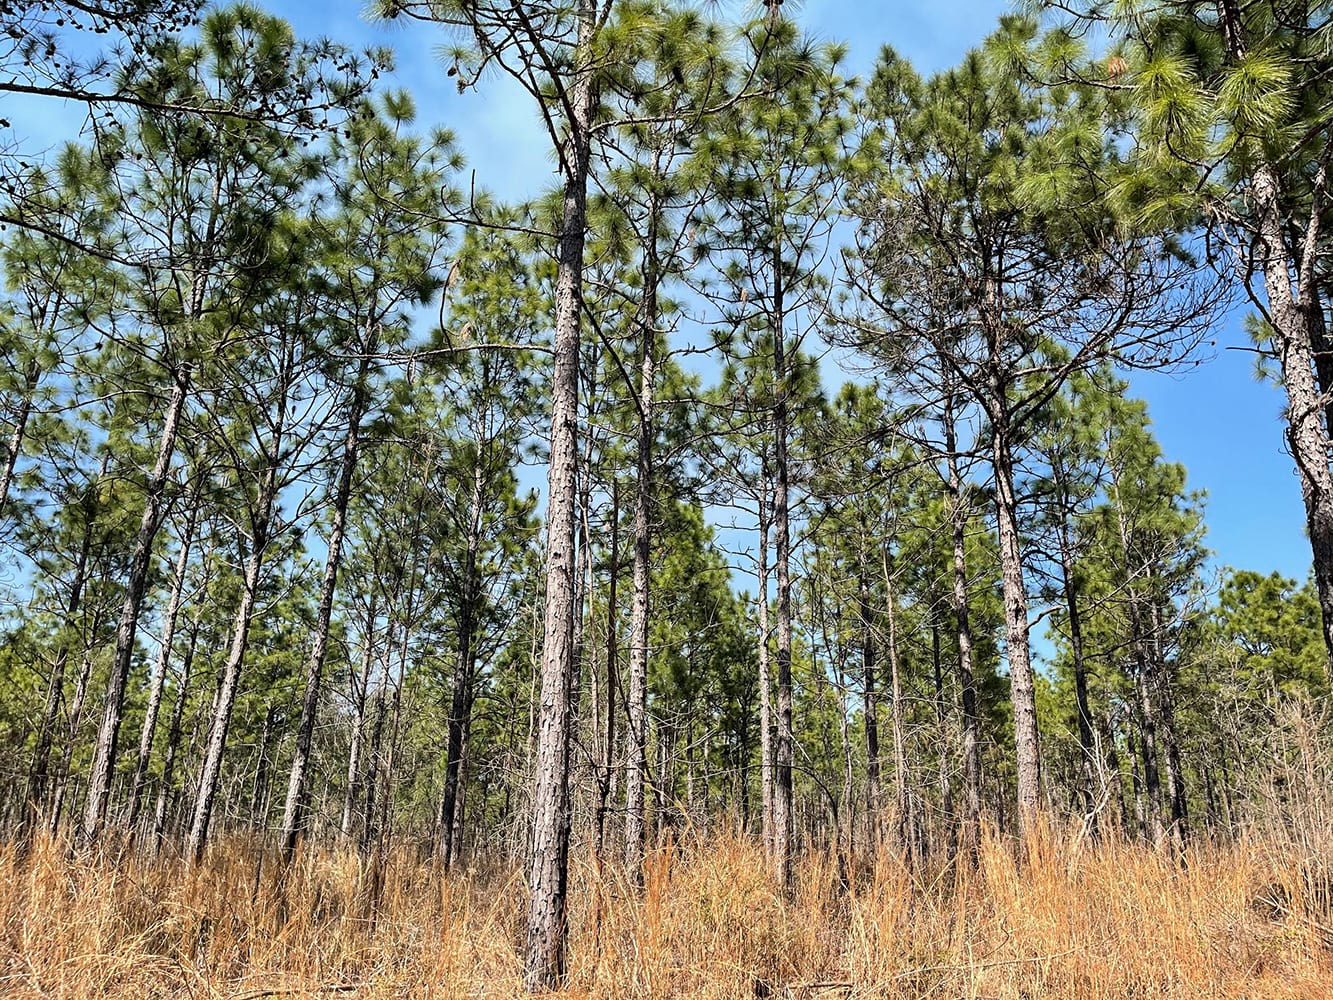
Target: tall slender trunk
{"x": 461, "y": 699}
{"x": 374, "y": 754}
{"x": 293, "y": 811}
{"x": 1086, "y": 742}
{"x": 765, "y": 669}
{"x": 55, "y": 691}
{"x": 1296, "y": 335}
{"x": 606, "y": 777}
{"x": 544, "y": 953}
{"x": 902, "y": 802}
{"x": 149, "y": 729}
{"x": 941, "y": 720}
{"x": 165, "y": 790}
{"x": 1021, "y": 685}
{"x": 636, "y": 775}
{"x": 104, "y": 756}
{"x": 870, "y": 699}
{"x": 1166, "y": 712}
{"x": 14, "y": 446}
{"x": 353, "y": 789}
{"x": 75, "y": 717}
{"x": 971, "y": 723}
{"x": 211, "y": 770}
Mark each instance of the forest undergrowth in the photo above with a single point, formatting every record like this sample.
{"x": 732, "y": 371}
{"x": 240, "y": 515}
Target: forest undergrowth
{"x": 1074, "y": 921}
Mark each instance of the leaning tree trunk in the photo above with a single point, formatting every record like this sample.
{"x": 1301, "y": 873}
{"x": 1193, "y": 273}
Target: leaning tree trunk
{"x": 293, "y": 812}
{"x": 104, "y": 756}
{"x": 160, "y": 670}
{"x": 544, "y": 952}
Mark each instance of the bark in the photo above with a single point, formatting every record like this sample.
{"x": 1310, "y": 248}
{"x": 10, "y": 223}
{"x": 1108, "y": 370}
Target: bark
{"x": 165, "y": 791}
{"x": 544, "y": 952}
{"x": 39, "y": 773}
{"x": 783, "y": 816}
{"x": 941, "y": 720}
{"x": 461, "y": 699}
{"x": 14, "y": 447}
{"x": 104, "y": 756}
{"x": 765, "y": 669}
{"x": 636, "y": 775}
{"x": 353, "y": 789}
{"x": 149, "y": 730}
{"x": 971, "y": 724}
{"x": 1021, "y": 687}
{"x": 902, "y": 802}
{"x": 1086, "y": 742}
{"x": 75, "y": 717}
{"x": 1292, "y": 314}
{"x": 211, "y": 771}
{"x": 870, "y": 705}
{"x": 294, "y": 809}
{"x": 607, "y": 775}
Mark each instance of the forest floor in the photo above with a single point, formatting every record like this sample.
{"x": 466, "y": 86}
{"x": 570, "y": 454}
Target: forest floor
{"x": 1076, "y": 922}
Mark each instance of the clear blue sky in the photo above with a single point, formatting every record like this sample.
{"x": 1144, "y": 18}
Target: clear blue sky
{"x": 1217, "y": 420}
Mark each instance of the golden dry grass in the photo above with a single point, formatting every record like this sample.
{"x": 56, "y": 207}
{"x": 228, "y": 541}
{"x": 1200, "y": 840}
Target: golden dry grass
{"x": 1073, "y": 923}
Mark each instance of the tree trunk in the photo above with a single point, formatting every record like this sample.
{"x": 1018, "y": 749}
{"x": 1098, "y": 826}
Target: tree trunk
{"x": 293, "y": 811}
{"x": 607, "y": 774}
{"x": 164, "y": 792}
{"x": 160, "y": 670}
{"x": 38, "y": 775}
{"x": 353, "y": 789}
{"x": 783, "y": 816}
{"x": 1021, "y": 686}
{"x": 902, "y": 802}
{"x": 870, "y": 706}
{"x": 14, "y": 447}
{"x": 211, "y": 770}
{"x": 75, "y": 717}
{"x": 971, "y": 723}
{"x": 544, "y": 958}
{"x": 461, "y": 700}
{"x": 1086, "y": 743}
{"x": 104, "y": 757}
{"x": 636, "y": 774}
{"x": 765, "y": 671}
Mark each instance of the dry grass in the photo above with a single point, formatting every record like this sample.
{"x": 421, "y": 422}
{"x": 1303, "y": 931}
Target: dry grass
{"x": 1075, "y": 923}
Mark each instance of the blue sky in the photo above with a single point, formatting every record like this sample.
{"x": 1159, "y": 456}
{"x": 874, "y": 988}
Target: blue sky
{"x": 1222, "y": 424}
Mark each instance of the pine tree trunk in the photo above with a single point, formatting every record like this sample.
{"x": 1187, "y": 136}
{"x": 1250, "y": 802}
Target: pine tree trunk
{"x": 160, "y": 670}
{"x": 294, "y": 809}
{"x": 461, "y": 700}
{"x": 544, "y": 953}
{"x": 765, "y": 669}
{"x": 41, "y": 762}
{"x": 1086, "y": 743}
{"x": 605, "y": 778}
{"x": 75, "y": 717}
{"x": 211, "y": 770}
{"x": 104, "y": 756}
{"x": 902, "y": 802}
{"x": 14, "y": 447}
{"x": 352, "y": 789}
{"x": 1021, "y": 686}
{"x": 636, "y": 774}
{"x": 165, "y": 792}
{"x": 870, "y": 704}
{"x": 971, "y": 723}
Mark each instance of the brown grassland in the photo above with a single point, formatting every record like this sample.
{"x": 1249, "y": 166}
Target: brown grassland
{"x": 1075, "y": 921}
